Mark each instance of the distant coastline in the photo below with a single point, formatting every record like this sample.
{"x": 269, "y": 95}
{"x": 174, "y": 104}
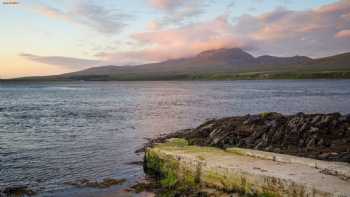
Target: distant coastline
{"x": 187, "y": 77}
{"x": 219, "y": 64}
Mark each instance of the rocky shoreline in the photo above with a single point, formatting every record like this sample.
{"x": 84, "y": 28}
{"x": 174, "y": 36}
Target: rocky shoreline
{"x": 254, "y": 147}
{"x": 318, "y": 136}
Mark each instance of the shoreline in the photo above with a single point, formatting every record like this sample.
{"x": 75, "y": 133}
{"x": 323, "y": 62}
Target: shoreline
{"x": 317, "y": 136}
{"x": 186, "y": 170}
{"x": 268, "y": 75}
{"x": 173, "y": 159}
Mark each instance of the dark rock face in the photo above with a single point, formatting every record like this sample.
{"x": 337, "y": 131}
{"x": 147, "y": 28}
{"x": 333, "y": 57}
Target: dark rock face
{"x": 320, "y": 136}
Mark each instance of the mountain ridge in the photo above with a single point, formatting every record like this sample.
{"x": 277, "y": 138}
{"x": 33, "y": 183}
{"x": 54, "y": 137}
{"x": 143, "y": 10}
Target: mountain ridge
{"x": 224, "y": 61}
{"x": 215, "y": 57}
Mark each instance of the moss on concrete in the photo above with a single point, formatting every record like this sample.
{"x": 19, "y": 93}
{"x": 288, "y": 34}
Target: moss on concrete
{"x": 172, "y": 174}
{"x": 236, "y": 151}
{"x": 167, "y": 169}
{"x": 181, "y": 168}
{"x": 237, "y": 184}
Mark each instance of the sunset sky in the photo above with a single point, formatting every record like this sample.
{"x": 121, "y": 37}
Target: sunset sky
{"x": 43, "y": 37}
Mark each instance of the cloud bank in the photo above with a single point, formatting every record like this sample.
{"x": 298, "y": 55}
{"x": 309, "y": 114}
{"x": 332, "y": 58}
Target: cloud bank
{"x": 316, "y": 32}
{"x": 67, "y": 62}
{"x": 87, "y": 13}
{"x": 312, "y": 32}
{"x": 179, "y": 42}
{"x": 177, "y": 11}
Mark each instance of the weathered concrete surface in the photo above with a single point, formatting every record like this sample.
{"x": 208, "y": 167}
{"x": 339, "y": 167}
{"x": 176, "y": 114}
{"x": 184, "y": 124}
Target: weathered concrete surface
{"x": 246, "y": 171}
{"x": 340, "y": 169}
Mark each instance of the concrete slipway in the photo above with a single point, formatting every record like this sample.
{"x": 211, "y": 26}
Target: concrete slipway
{"x": 246, "y": 171}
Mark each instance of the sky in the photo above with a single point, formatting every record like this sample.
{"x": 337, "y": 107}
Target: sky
{"x": 46, "y": 37}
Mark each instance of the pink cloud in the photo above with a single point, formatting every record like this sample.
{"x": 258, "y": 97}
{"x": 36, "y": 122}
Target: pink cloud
{"x": 50, "y": 12}
{"x": 284, "y": 24}
{"x": 279, "y": 32}
{"x": 313, "y": 32}
{"x": 181, "y": 42}
{"x": 96, "y": 17}
{"x": 177, "y": 12}
{"x": 166, "y": 4}
{"x": 343, "y": 34}
{"x": 340, "y": 6}
{"x": 153, "y": 25}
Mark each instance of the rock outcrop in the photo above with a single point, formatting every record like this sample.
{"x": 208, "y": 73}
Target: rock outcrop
{"x": 319, "y": 136}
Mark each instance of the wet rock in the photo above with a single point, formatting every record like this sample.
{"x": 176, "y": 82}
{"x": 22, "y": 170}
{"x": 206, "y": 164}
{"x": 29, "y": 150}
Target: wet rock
{"x": 277, "y": 150}
{"x": 324, "y": 156}
{"x": 144, "y": 186}
{"x": 342, "y": 118}
{"x": 311, "y": 142}
{"x": 105, "y": 183}
{"x": 136, "y": 163}
{"x": 315, "y": 119}
{"x": 271, "y": 124}
{"x": 347, "y": 116}
{"x": 320, "y": 143}
{"x": 345, "y": 157}
{"x": 252, "y": 119}
{"x": 338, "y": 142}
{"x": 313, "y": 129}
{"x": 17, "y": 191}
{"x": 325, "y": 120}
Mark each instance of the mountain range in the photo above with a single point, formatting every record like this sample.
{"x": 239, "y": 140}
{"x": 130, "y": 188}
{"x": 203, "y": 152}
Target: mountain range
{"x": 225, "y": 63}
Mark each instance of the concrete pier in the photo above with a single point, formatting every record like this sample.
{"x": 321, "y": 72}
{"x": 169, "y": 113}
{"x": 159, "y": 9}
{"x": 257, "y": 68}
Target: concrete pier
{"x": 246, "y": 171}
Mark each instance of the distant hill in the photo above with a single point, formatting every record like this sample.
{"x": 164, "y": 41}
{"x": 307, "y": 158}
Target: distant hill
{"x": 232, "y": 63}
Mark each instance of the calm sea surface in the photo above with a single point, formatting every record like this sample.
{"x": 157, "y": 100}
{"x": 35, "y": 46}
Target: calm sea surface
{"x": 51, "y": 133}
